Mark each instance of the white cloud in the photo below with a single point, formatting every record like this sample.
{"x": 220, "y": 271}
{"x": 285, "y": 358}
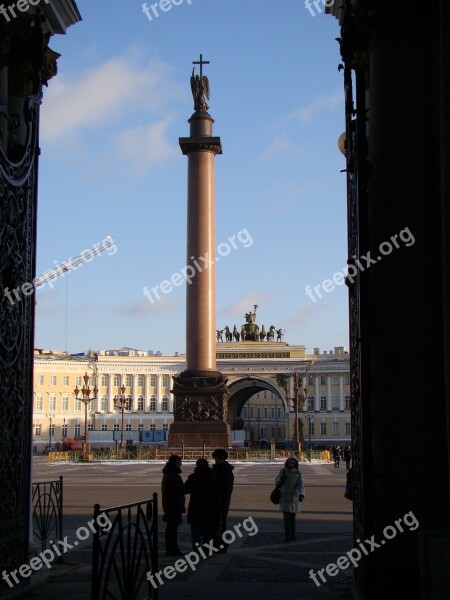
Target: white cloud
{"x": 144, "y": 308}
{"x": 104, "y": 94}
{"x": 145, "y": 145}
{"x": 245, "y": 304}
{"x": 319, "y": 105}
{"x": 281, "y": 146}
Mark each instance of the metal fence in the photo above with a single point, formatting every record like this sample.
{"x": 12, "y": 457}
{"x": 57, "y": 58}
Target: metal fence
{"x": 149, "y": 454}
{"x": 47, "y": 502}
{"x": 124, "y": 554}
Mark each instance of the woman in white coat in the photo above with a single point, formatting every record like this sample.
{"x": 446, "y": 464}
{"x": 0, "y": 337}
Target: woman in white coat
{"x": 292, "y": 493}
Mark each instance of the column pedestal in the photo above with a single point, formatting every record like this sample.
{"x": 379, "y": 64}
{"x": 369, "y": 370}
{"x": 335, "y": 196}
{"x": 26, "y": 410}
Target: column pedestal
{"x": 200, "y": 410}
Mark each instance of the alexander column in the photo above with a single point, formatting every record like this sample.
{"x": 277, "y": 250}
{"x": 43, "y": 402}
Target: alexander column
{"x": 200, "y": 392}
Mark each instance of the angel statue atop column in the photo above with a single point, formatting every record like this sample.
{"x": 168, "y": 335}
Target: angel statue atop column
{"x": 200, "y": 90}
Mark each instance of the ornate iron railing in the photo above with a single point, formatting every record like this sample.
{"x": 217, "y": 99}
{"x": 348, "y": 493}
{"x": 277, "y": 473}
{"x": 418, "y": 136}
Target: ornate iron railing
{"x": 243, "y": 454}
{"x": 123, "y": 554}
{"x": 47, "y": 501}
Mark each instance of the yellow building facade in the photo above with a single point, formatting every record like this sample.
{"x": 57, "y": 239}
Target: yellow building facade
{"x": 267, "y": 382}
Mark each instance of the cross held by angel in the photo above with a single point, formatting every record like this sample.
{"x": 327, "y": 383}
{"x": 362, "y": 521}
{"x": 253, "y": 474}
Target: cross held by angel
{"x": 200, "y": 87}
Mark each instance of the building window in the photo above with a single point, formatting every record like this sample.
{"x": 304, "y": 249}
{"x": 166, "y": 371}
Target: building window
{"x": 279, "y": 412}
{"x": 38, "y": 430}
{"x": 105, "y": 427}
{"x": 90, "y": 427}
{"x": 116, "y": 427}
{"x": 272, "y": 412}
{"x": 347, "y": 429}
{"x": 53, "y": 380}
{"x": 140, "y": 427}
{"x": 165, "y": 403}
{"x": 128, "y": 427}
{"x": 347, "y": 379}
{"x": 335, "y": 401}
{"x": 128, "y": 381}
{"x": 78, "y": 381}
{"x": 152, "y": 380}
{"x": 77, "y": 405}
{"x": 244, "y": 412}
{"x": 77, "y": 429}
{"x": 153, "y": 402}
{"x": 265, "y": 394}
{"x": 311, "y": 427}
{"x": 323, "y": 402}
{"x": 165, "y": 381}
{"x": 251, "y": 412}
{"x": 39, "y": 403}
{"x": 91, "y": 381}
{"x": 310, "y": 402}
{"x": 141, "y": 403}
{"x": 165, "y": 427}
{"x": 323, "y": 429}
{"x": 310, "y": 379}
{"x": 65, "y": 380}
{"x": 152, "y": 427}
{"x": 266, "y": 412}
{"x": 258, "y": 412}
{"x": 347, "y": 401}
{"x": 40, "y": 380}
{"x": 335, "y": 428}
{"x": 323, "y": 380}
{"x": 117, "y": 381}
{"x": 64, "y": 431}
{"x": 51, "y": 430}
{"x": 105, "y": 380}
{"x": 141, "y": 380}
{"x": 103, "y": 402}
{"x": 52, "y": 403}
{"x": 65, "y": 403}
{"x": 335, "y": 379}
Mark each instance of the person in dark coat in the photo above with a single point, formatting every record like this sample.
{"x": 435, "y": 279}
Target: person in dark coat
{"x": 203, "y": 513}
{"x": 347, "y": 456}
{"x": 172, "y": 503}
{"x": 223, "y": 473}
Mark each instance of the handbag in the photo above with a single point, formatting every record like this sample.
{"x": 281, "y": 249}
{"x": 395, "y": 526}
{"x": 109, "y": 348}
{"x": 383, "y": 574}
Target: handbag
{"x": 275, "y": 495}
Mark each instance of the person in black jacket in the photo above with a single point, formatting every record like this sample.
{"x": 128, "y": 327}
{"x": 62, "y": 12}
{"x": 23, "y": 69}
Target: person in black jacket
{"x": 172, "y": 503}
{"x": 203, "y": 513}
{"x": 224, "y": 477}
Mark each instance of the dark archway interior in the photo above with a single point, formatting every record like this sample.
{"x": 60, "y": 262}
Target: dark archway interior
{"x": 243, "y": 389}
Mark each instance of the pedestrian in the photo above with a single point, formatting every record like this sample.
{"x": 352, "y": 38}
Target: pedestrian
{"x": 347, "y": 457}
{"x": 336, "y": 456}
{"x": 292, "y": 493}
{"x": 172, "y": 503}
{"x": 203, "y": 513}
{"x": 223, "y": 473}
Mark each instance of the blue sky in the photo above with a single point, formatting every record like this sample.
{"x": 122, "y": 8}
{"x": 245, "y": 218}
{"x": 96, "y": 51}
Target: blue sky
{"x": 111, "y": 165}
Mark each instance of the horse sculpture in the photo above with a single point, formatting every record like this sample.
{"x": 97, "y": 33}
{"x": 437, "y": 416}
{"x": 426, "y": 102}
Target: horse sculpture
{"x": 228, "y": 334}
{"x": 262, "y": 333}
{"x": 219, "y": 335}
{"x": 280, "y": 334}
{"x": 271, "y": 333}
{"x": 243, "y": 333}
{"x": 236, "y": 333}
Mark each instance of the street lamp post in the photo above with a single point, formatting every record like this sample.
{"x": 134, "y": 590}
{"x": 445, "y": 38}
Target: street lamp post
{"x": 123, "y": 404}
{"x": 85, "y": 398}
{"x": 50, "y": 417}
